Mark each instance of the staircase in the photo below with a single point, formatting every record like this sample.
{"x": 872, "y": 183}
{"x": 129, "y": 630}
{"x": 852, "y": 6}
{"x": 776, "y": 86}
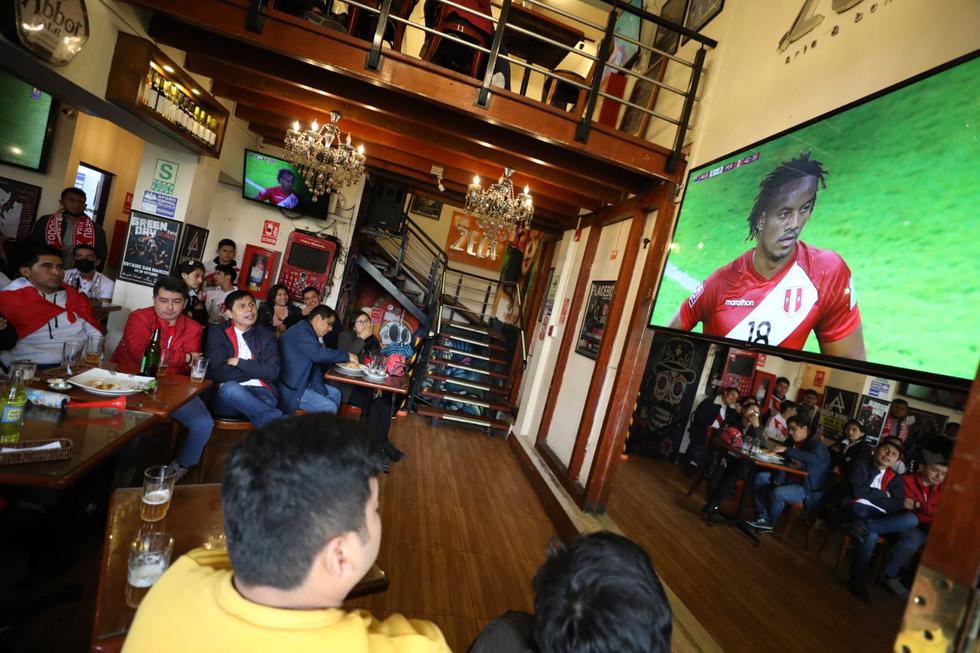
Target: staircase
{"x": 461, "y": 372}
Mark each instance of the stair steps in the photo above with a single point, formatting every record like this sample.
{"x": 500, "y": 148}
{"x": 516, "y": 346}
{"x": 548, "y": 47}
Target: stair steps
{"x": 463, "y": 352}
{"x": 466, "y": 399}
{"x": 463, "y": 418}
{"x": 473, "y": 385}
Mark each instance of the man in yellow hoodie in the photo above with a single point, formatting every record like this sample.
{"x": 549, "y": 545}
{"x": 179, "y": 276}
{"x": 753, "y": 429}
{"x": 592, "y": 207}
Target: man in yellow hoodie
{"x": 300, "y": 500}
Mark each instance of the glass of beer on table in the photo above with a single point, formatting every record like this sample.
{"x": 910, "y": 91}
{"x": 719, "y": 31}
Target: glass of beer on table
{"x": 164, "y": 362}
{"x": 149, "y": 557}
{"x": 158, "y": 488}
{"x": 94, "y": 348}
{"x": 199, "y": 367}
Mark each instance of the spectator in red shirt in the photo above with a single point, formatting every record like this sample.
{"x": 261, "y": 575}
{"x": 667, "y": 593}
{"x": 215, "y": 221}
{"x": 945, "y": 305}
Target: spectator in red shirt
{"x": 180, "y": 339}
{"x": 923, "y": 490}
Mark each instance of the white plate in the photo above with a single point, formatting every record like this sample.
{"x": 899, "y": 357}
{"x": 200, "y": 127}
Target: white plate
{"x": 126, "y": 384}
{"x": 350, "y": 372}
{"x": 377, "y": 378}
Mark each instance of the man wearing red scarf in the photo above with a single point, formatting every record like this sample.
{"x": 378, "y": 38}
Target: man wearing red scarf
{"x": 44, "y": 311}
{"x": 69, "y": 227}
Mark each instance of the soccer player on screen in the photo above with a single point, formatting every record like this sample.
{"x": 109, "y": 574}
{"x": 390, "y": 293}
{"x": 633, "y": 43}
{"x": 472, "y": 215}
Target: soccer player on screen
{"x": 782, "y": 289}
{"x": 281, "y": 195}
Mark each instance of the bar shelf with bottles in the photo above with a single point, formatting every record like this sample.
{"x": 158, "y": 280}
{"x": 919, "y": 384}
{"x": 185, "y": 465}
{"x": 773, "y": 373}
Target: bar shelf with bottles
{"x": 149, "y": 84}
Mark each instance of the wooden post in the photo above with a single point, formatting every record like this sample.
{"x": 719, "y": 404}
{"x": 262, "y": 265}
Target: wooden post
{"x": 568, "y": 337}
{"x": 616, "y": 307}
{"x": 632, "y": 363}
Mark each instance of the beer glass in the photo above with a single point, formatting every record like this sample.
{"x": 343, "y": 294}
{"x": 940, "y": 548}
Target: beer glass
{"x": 149, "y": 557}
{"x": 27, "y": 366}
{"x": 198, "y": 369}
{"x": 164, "y": 362}
{"x": 94, "y": 348}
{"x": 158, "y": 488}
{"x": 71, "y": 354}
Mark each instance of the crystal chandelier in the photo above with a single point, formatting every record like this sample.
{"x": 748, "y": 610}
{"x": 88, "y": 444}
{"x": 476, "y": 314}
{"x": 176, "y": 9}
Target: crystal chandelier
{"x": 325, "y": 163}
{"x": 499, "y": 210}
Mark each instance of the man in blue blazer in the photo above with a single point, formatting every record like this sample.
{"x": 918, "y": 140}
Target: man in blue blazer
{"x": 301, "y": 382}
{"x": 814, "y": 457}
{"x": 244, "y": 363}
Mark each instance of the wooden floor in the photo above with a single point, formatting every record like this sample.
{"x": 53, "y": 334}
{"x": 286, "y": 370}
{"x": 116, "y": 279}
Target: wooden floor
{"x": 774, "y": 597}
{"x": 464, "y": 532}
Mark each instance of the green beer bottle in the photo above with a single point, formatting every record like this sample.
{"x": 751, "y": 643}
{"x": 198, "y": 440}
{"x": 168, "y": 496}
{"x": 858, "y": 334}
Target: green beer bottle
{"x": 12, "y": 416}
{"x": 151, "y": 355}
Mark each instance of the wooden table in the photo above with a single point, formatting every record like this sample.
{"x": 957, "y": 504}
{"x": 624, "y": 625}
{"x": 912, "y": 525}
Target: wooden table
{"x": 533, "y": 50}
{"x": 395, "y": 384}
{"x": 194, "y": 520}
{"x": 95, "y": 434}
{"x": 755, "y": 464}
{"x": 173, "y": 391}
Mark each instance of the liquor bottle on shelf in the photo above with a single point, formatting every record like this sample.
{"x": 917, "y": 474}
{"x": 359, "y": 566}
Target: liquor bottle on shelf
{"x": 146, "y": 89}
{"x": 12, "y": 412}
{"x": 198, "y": 132}
{"x": 151, "y": 355}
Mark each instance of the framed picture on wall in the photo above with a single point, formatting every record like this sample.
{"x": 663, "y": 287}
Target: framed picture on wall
{"x": 258, "y": 270}
{"x": 18, "y": 208}
{"x": 594, "y": 323}
{"x": 666, "y": 40}
{"x": 191, "y": 244}
{"x": 700, "y": 13}
{"x": 644, "y": 94}
{"x": 425, "y": 205}
{"x": 148, "y": 254}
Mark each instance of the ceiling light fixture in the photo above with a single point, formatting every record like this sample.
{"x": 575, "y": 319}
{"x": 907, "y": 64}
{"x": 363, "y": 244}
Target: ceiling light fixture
{"x": 325, "y": 162}
{"x": 498, "y": 210}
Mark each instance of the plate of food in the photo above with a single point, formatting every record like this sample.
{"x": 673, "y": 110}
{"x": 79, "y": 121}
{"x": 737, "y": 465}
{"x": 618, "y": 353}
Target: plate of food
{"x": 769, "y": 456}
{"x": 351, "y": 369}
{"x": 111, "y": 384}
{"x": 375, "y": 375}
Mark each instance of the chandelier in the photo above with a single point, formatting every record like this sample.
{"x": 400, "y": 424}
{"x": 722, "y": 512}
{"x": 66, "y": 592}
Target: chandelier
{"x": 499, "y": 210}
{"x": 324, "y": 162}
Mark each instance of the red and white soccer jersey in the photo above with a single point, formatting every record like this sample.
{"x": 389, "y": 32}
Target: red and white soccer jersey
{"x": 812, "y": 293}
{"x": 279, "y": 197}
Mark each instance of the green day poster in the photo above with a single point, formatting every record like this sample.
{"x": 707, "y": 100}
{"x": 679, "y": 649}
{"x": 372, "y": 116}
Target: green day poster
{"x": 149, "y": 251}
{"x": 594, "y": 322}
{"x": 838, "y": 407}
{"x": 667, "y": 393}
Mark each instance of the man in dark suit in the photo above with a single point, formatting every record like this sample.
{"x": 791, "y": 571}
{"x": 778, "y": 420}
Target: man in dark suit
{"x": 244, "y": 363}
{"x": 301, "y": 383}
{"x": 771, "y": 495}
{"x": 709, "y": 416}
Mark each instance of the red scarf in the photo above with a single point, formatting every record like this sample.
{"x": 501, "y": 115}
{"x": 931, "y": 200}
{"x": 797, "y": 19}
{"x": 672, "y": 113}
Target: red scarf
{"x": 84, "y": 230}
{"x": 28, "y": 311}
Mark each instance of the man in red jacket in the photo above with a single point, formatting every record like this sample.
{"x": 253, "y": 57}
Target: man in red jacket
{"x": 923, "y": 490}
{"x": 180, "y": 340}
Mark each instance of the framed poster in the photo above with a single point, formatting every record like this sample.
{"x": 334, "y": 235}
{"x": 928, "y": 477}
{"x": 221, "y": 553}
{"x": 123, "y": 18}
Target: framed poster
{"x": 644, "y": 94}
{"x": 700, "y": 13}
{"x": 594, "y": 322}
{"x": 18, "y": 208}
{"x": 666, "y": 40}
{"x": 148, "y": 254}
{"x": 191, "y": 244}
{"x": 467, "y": 243}
{"x": 871, "y": 414}
{"x": 425, "y": 205}
{"x": 258, "y": 270}
{"x": 838, "y": 407}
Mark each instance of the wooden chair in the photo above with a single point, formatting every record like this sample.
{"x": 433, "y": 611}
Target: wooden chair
{"x": 792, "y": 514}
{"x": 356, "y": 17}
{"x": 462, "y": 29}
{"x": 233, "y": 424}
{"x": 845, "y": 543}
{"x": 559, "y": 94}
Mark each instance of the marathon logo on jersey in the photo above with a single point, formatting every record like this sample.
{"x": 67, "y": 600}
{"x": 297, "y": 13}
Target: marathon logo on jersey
{"x": 693, "y": 299}
{"x": 793, "y": 300}
{"x": 739, "y": 302}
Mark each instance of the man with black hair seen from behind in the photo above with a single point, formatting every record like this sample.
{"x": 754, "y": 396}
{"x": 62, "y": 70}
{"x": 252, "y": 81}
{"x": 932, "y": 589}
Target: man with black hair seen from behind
{"x": 300, "y": 503}
{"x": 597, "y": 594}
{"x": 69, "y": 227}
{"x": 781, "y": 290}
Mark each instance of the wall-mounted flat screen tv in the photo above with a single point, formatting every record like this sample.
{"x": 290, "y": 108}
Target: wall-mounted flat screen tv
{"x": 853, "y": 235}
{"x": 274, "y": 181}
{"x": 26, "y": 124}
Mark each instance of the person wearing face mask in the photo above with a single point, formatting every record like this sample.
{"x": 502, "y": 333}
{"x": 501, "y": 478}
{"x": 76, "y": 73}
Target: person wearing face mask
{"x": 69, "y": 227}
{"x": 86, "y": 279}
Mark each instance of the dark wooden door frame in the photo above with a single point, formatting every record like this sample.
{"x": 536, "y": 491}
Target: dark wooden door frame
{"x": 613, "y": 319}
{"x": 568, "y": 336}
{"x": 531, "y": 316}
{"x": 632, "y": 363}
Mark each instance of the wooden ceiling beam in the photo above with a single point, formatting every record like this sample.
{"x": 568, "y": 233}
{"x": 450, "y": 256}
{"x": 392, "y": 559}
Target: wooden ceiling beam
{"x": 320, "y": 59}
{"x": 259, "y": 90}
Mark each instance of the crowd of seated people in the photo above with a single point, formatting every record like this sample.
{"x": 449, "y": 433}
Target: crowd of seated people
{"x": 864, "y": 487}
